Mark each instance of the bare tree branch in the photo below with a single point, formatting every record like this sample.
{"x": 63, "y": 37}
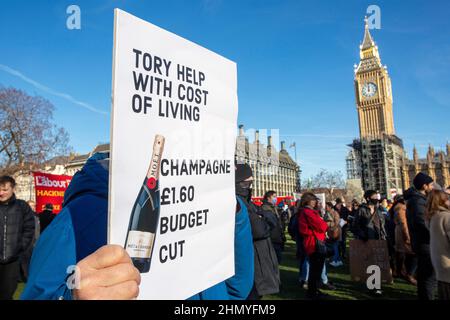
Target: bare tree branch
{"x": 28, "y": 134}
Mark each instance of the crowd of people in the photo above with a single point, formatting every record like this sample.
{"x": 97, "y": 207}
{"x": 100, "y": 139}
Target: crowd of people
{"x": 416, "y": 227}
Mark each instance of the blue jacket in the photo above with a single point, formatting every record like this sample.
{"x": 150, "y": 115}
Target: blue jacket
{"x": 81, "y": 228}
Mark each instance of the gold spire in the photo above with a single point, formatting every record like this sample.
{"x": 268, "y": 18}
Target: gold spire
{"x": 431, "y": 154}
{"x": 368, "y": 49}
{"x": 368, "y": 41}
{"x": 415, "y": 154}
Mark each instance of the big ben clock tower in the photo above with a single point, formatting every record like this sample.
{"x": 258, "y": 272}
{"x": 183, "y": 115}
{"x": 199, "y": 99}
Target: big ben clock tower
{"x": 373, "y": 91}
{"x": 380, "y": 150}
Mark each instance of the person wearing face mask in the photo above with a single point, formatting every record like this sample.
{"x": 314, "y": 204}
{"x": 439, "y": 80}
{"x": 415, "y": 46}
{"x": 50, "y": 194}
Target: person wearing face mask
{"x": 269, "y": 210}
{"x": 369, "y": 224}
{"x": 416, "y": 198}
{"x": 266, "y": 272}
{"x": 370, "y": 220}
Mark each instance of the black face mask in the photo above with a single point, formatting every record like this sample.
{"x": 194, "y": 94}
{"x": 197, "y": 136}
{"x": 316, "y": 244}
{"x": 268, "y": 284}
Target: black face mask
{"x": 374, "y": 202}
{"x": 244, "y": 190}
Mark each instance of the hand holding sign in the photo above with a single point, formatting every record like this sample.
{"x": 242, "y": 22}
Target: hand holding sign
{"x": 177, "y": 226}
{"x": 107, "y": 274}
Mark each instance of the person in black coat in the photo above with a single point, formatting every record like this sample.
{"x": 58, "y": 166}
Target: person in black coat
{"x": 370, "y": 222}
{"x": 17, "y": 230}
{"x": 267, "y": 274}
{"x": 344, "y": 214}
{"x": 416, "y": 198}
{"x": 270, "y": 212}
{"x": 46, "y": 216}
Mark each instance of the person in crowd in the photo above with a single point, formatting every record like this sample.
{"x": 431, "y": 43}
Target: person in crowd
{"x": 266, "y": 271}
{"x": 301, "y": 255}
{"x": 37, "y": 227}
{"x": 26, "y": 256}
{"x": 355, "y": 205}
{"x": 389, "y": 223}
{"x": 369, "y": 223}
{"x": 389, "y": 204}
{"x": 285, "y": 215}
{"x": 312, "y": 229}
{"x": 344, "y": 214}
{"x": 46, "y": 216}
{"x": 332, "y": 218}
{"x": 404, "y": 256}
{"x": 384, "y": 208}
{"x": 17, "y": 231}
{"x": 416, "y": 198}
{"x": 324, "y": 281}
{"x": 438, "y": 220}
{"x": 269, "y": 209}
{"x": 293, "y": 229}
{"x": 107, "y": 271}
{"x": 353, "y": 212}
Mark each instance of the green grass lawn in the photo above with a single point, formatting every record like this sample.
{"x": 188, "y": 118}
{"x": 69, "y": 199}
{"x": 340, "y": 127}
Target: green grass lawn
{"x": 340, "y": 277}
{"x": 346, "y": 289}
{"x": 19, "y": 290}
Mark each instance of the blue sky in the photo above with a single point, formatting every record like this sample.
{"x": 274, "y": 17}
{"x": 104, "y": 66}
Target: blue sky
{"x": 295, "y": 64}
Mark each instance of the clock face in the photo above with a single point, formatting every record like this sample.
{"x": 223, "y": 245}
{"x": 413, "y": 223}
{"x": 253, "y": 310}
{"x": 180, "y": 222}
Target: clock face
{"x": 369, "y": 89}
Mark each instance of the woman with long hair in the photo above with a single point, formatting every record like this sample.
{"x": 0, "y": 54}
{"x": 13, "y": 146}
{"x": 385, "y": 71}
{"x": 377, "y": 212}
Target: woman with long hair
{"x": 438, "y": 217}
{"x": 312, "y": 229}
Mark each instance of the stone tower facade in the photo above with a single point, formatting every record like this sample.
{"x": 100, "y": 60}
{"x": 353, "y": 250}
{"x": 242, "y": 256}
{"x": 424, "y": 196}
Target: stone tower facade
{"x": 380, "y": 150}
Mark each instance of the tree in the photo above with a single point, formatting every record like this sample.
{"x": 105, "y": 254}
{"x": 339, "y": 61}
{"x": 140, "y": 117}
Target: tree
{"x": 28, "y": 134}
{"x": 354, "y": 190}
{"x": 328, "y": 181}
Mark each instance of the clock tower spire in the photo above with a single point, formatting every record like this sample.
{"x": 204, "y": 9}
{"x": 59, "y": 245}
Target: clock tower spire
{"x": 373, "y": 91}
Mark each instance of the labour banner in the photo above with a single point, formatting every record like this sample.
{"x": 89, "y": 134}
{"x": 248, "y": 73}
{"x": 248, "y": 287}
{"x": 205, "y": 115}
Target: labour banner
{"x": 50, "y": 188}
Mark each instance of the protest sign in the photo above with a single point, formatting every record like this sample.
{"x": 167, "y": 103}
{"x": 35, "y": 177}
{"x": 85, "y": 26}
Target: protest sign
{"x": 50, "y": 188}
{"x": 173, "y": 131}
{"x": 365, "y": 254}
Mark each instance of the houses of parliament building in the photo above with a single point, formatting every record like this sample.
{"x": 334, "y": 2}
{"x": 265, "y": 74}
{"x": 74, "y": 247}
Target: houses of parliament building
{"x": 272, "y": 169}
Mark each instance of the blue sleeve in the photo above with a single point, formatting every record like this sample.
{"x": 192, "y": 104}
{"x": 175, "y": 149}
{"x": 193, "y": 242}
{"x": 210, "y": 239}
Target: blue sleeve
{"x": 240, "y": 285}
{"x": 53, "y": 254}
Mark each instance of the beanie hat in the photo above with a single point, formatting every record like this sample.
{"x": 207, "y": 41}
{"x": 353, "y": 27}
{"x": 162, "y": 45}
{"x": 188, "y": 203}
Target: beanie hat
{"x": 243, "y": 171}
{"x": 420, "y": 179}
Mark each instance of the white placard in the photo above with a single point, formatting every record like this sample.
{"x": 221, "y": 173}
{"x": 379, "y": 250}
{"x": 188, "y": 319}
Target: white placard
{"x": 167, "y": 86}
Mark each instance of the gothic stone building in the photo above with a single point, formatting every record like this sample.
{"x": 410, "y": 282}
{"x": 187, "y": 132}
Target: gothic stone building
{"x": 272, "y": 170}
{"x": 436, "y": 165}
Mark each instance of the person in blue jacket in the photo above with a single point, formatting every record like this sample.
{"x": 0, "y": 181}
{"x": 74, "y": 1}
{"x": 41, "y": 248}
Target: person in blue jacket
{"x": 78, "y": 236}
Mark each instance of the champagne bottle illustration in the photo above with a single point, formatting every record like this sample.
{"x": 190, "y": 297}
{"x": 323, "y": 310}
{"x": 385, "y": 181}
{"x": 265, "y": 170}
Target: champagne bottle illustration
{"x": 144, "y": 218}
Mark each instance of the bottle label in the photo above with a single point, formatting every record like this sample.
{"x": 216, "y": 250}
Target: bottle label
{"x": 140, "y": 244}
{"x": 153, "y": 170}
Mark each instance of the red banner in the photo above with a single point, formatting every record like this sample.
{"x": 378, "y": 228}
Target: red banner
{"x": 50, "y": 188}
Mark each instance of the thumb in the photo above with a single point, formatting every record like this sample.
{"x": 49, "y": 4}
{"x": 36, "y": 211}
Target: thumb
{"x": 107, "y": 256}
